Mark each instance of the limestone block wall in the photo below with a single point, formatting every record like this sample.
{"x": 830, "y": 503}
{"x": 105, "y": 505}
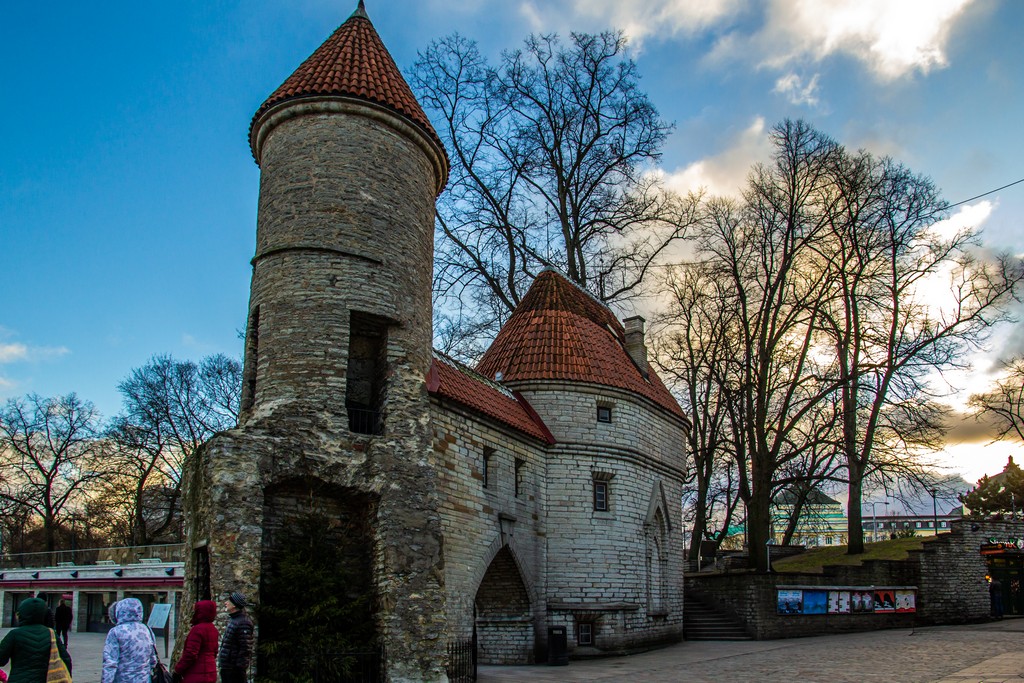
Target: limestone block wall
{"x": 478, "y": 520}
{"x": 619, "y": 570}
{"x": 345, "y": 224}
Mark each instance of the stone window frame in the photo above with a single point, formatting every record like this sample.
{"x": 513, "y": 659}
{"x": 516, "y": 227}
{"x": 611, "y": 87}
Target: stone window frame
{"x": 605, "y": 412}
{"x": 585, "y": 631}
{"x": 602, "y": 491}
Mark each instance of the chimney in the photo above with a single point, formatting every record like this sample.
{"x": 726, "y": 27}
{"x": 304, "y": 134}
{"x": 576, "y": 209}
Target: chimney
{"x": 635, "y": 346}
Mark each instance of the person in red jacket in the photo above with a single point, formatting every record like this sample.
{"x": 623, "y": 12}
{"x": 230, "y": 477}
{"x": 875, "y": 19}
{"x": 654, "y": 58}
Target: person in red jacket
{"x": 198, "y": 663}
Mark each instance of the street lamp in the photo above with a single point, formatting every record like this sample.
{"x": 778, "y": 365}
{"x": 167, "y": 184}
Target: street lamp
{"x": 874, "y": 523}
{"x": 935, "y": 513}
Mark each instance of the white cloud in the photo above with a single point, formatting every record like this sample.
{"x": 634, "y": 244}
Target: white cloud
{"x": 793, "y": 87}
{"x": 968, "y": 217}
{"x": 726, "y": 172}
{"x": 893, "y": 38}
{"x": 12, "y": 352}
{"x": 638, "y": 18}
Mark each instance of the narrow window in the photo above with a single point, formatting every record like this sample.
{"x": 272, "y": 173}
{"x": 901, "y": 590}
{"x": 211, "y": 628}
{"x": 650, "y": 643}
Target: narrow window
{"x": 520, "y": 473}
{"x": 604, "y": 413}
{"x": 585, "y": 633}
{"x": 601, "y": 496}
{"x": 366, "y": 374}
{"x": 252, "y": 346}
{"x": 201, "y": 586}
{"x": 486, "y": 469}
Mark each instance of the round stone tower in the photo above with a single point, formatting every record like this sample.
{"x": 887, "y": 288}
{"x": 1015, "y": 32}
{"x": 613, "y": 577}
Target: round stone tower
{"x": 335, "y": 418}
{"x": 350, "y": 169}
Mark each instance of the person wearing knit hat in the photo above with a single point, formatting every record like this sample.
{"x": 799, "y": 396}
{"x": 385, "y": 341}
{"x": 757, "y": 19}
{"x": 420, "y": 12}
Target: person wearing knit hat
{"x": 236, "y": 643}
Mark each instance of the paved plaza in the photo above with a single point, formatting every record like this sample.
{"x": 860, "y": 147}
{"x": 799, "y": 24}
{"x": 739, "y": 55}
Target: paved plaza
{"x": 980, "y": 653}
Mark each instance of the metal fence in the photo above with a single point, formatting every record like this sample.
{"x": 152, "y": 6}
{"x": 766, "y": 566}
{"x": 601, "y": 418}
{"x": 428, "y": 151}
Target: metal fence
{"x": 172, "y": 552}
{"x": 462, "y": 661}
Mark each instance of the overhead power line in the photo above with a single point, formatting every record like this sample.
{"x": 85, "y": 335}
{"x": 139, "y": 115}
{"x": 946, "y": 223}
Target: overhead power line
{"x": 985, "y": 194}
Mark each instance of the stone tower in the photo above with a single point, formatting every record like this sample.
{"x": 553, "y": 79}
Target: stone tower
{"x": 338, "y": 346}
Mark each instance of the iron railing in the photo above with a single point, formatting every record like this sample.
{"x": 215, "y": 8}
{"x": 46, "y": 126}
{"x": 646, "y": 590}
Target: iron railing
{"x": 462, "y": 661}
{"x": 171, "y": 552}
{"x": 363, "y": 421}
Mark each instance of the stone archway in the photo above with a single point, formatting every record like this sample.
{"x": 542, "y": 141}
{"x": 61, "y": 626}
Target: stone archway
{"x": 504, "y": 621}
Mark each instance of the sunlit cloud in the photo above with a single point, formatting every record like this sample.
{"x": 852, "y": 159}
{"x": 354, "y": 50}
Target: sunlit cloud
{"x": 639, "y": 19}
{"x": 893, "y": 39}
{"x": 796, "y": 91}
{"x": 726, "y": 172}
{"x": 967, "y": 217}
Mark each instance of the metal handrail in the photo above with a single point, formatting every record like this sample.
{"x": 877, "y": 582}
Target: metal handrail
{"x": 122, "y": 555}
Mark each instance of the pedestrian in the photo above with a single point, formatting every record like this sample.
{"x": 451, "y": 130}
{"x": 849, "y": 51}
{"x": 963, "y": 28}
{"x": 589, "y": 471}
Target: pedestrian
{"x": 28, "y": 646}
{"x": 198, "y": 663}
{"x": 129, "y": 652}
{"x": 62, "y": 619}
{"x": 236, "y": 645}
{"x": 995, "y": 596}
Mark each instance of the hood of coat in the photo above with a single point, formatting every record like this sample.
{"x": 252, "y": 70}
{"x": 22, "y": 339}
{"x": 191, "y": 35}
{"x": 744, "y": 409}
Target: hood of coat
{"x": 31, "y": 611}
{"x": 129, "y": 609}
{"x": 205, "y": 612}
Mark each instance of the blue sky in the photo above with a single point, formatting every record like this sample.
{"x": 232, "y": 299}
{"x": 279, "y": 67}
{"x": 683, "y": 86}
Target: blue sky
{"x": 128, "y": 193}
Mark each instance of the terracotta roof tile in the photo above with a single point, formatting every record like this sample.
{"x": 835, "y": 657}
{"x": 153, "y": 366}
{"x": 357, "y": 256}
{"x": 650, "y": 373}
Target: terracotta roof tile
{"x": 559, "y": 332}
{"x": 450, "y": 379}
{"x": 353, "y": 62}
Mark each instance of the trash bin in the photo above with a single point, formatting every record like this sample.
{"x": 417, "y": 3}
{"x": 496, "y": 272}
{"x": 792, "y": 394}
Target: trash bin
{"x": 558, "y": 652}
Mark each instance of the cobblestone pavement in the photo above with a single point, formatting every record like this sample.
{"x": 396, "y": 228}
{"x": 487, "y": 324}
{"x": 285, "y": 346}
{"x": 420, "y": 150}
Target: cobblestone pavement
{"x": 981, "y": 653}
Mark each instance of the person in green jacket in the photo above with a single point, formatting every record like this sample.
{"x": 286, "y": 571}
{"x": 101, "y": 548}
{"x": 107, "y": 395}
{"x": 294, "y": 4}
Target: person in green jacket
{"x": 27, "y": 647}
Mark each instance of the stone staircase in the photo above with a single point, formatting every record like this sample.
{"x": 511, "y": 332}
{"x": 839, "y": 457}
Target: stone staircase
{"x": 703, "y": 622}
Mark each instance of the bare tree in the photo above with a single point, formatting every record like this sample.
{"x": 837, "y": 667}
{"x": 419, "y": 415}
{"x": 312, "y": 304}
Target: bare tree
{"x": 51, "y": 453}
{"x": 906, "y": 303}
{"x": 694, "y": 349}
{"x": 764, "y": 249}
{"x": 551, "y": 154}
{"x": 1005, "y": 401}
{"x": 170, "y": 408}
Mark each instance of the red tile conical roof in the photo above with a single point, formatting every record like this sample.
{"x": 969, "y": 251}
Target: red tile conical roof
{"x": 559, "y": 332}
{"x": 353, "y": 62}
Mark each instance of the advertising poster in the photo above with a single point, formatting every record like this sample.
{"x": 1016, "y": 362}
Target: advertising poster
{"x": 839, "y": 602}
{"x": 861, "y": 602}
{"x": 790, "y": 601}
{"x": 885, "y": 600}
{"x": 906, "y": 601}
{"x": 815, "y": 602}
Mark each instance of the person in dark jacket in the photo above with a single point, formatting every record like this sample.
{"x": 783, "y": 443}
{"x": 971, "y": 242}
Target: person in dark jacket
{"x": 198, "y": 663}
{"x": 236, "y": 645}
{"x": 27, "y": 647}
{"x": 62, "y": 618}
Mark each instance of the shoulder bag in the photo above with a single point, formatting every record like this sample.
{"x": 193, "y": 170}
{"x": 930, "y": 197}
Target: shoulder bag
{"x": 57, "y": 671}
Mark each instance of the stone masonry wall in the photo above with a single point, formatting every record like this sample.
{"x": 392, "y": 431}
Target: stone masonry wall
{"x": 345, "y": 224}
{"x": 949, "y": 573}
{"x": 601, "y": 563}
{"x": 472, "y": 514}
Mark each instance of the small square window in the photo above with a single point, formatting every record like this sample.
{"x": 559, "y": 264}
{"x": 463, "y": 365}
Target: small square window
{"x": 917, "y": 524}
{"x": 604, "y": 413}
{"x": 601, "y": 496}
{"x": 584, "y": 633}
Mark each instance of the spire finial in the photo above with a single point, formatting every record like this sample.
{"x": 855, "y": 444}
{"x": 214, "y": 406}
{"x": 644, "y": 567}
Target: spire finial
{"x": 360, "y": 11}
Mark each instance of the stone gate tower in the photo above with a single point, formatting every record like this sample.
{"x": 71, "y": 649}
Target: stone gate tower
{"x": 335, "y": 411}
